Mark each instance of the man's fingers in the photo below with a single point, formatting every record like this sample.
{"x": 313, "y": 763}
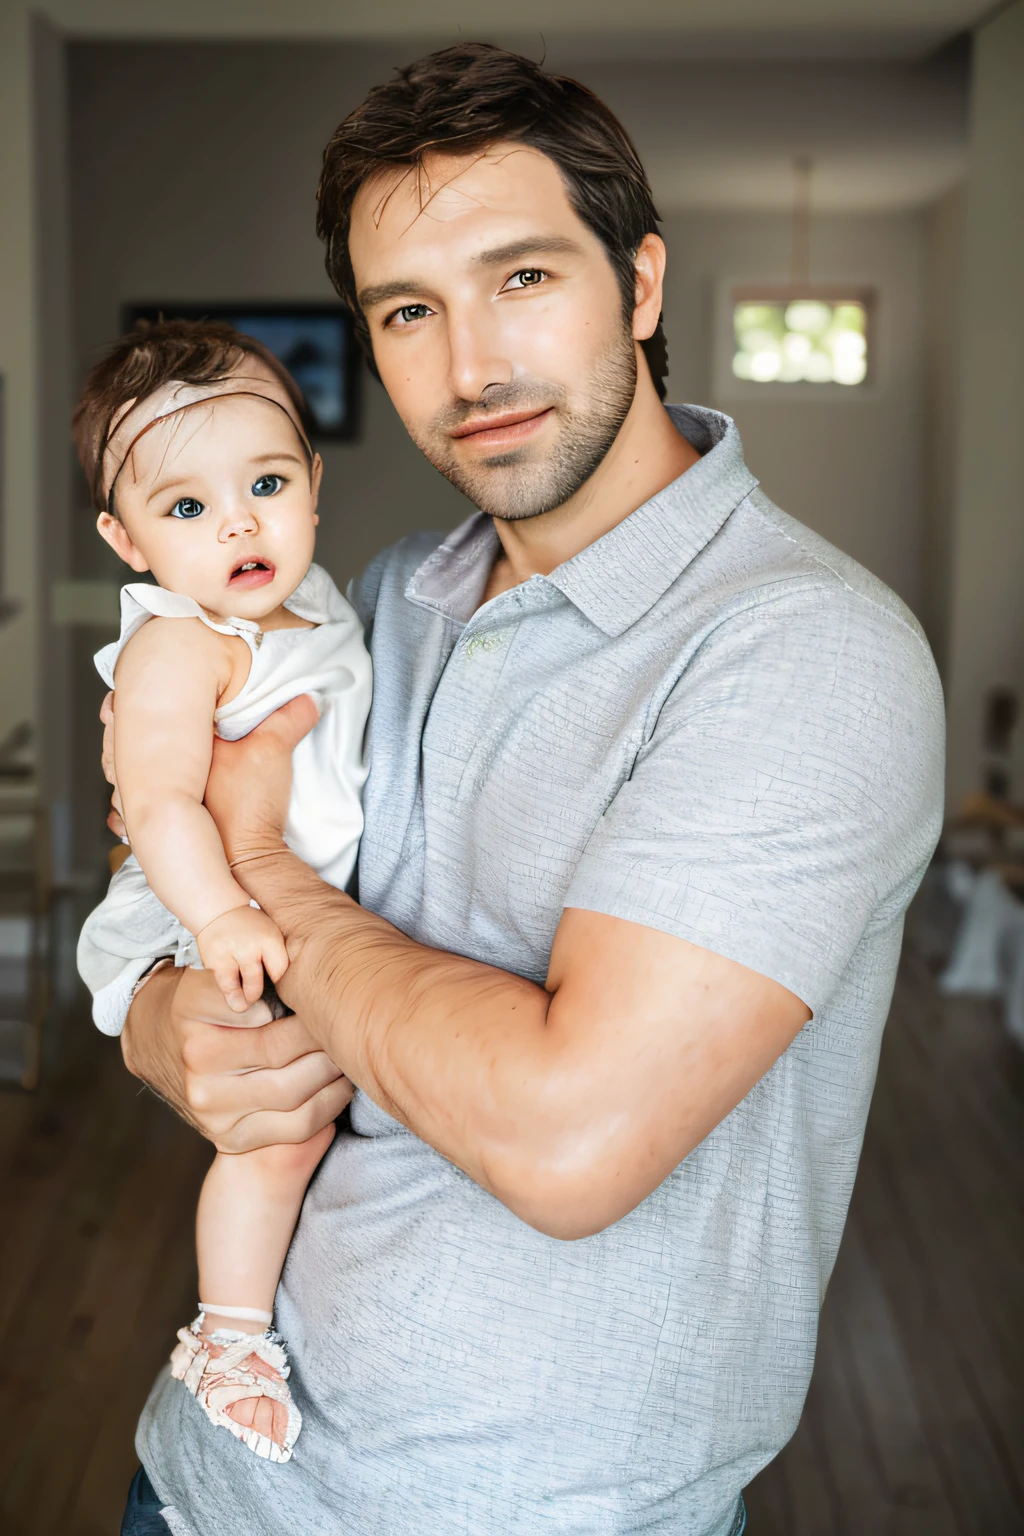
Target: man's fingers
{"x": 199, "y": 1000}
{"x": 266, "y": 1128}
{"x": 224, "y": 1100}
{"x": 284, "y": 1040}
{"x": 222, "y": 1080}
{"x": 107, "y": 717}
{"x": 285, "y": 728}
{"x": 244, "y": 1043}
{"x": 115, "y": 821}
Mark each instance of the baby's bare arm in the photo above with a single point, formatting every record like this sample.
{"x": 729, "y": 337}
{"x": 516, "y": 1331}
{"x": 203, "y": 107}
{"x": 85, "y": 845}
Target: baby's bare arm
{"x": 170, "y": 677}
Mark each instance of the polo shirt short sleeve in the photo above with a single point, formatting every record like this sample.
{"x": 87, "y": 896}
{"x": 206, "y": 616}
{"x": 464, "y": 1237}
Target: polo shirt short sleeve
{"x": 786, "y": 797}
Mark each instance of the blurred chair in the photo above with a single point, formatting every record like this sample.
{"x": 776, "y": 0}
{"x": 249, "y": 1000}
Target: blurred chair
{"x": 985, "y": 846}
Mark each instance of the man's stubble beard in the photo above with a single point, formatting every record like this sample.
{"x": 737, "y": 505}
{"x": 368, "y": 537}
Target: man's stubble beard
{"x": 516, "y": 484}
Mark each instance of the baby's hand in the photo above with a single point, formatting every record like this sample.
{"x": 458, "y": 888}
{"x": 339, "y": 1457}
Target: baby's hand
{"x": 238, "y": 947}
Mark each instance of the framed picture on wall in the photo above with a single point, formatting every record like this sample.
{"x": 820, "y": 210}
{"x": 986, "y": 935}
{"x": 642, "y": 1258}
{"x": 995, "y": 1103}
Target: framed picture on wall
{"x": 315, "y": 342}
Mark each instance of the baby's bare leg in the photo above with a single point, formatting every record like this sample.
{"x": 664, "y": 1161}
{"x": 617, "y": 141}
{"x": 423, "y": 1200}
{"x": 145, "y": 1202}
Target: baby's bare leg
{"x": 247, "y": 1213}
{"x": 248, "y": 1209}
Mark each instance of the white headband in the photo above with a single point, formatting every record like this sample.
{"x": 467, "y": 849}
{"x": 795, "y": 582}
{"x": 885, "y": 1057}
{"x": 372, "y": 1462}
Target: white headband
{"x": 137, "y": 417}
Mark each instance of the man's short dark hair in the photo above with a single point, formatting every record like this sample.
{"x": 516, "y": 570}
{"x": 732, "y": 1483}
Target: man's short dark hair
{"x": 464, "y": 99}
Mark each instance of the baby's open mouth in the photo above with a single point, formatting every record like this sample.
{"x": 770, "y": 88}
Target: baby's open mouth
{"x": 252, "y": 573}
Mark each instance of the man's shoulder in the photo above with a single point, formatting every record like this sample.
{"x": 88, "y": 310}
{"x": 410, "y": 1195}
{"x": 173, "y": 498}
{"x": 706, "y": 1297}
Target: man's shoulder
{"x": 774, "y": 565}
{"x": 791, "y": 628}
{"x": 798, "y": 550}
{"x": 391, "y": 569}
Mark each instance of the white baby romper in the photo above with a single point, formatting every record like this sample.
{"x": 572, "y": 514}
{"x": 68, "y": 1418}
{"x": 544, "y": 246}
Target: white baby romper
{"x": 131, "y": 927}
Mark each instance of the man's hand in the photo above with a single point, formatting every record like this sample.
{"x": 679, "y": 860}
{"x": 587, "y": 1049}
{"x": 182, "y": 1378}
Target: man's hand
{"x": 250, "y": 783}
{"x": 257, "y": 1085}
{"x": 115, "y": 821}
{"x": 250, "y": 780}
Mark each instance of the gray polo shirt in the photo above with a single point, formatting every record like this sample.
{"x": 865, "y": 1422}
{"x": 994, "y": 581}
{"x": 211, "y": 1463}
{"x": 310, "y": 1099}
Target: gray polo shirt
{"x": 710, "y": 722}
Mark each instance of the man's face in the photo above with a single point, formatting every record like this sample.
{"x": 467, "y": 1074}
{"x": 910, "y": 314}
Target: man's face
{"x": 497, "y": 325}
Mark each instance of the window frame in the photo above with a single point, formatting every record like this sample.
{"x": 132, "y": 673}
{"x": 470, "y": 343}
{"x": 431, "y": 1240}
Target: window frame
{"x": 733, "y": 291}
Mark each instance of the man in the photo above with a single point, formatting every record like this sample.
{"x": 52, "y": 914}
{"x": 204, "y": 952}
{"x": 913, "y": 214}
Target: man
{"x": 654, "y": 773}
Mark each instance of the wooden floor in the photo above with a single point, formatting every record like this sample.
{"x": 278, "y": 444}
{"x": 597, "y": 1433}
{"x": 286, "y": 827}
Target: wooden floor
{"x": 97, "y": 1200}
{"x": 913, "y": 1424}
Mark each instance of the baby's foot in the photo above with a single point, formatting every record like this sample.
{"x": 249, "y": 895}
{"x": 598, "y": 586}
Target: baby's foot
{"x": 240, "y": 1379}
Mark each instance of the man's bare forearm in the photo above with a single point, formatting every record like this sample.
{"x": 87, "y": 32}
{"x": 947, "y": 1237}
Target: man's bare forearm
{"x": 460, "y": 1052}
{"x": 569, "y": 1104}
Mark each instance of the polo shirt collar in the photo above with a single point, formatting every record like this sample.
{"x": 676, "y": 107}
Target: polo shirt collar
{"x": 618, "y": 578}
{"x": 452, "y": 580}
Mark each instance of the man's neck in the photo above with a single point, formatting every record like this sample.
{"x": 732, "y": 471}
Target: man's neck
{"x": 648, "y": 454}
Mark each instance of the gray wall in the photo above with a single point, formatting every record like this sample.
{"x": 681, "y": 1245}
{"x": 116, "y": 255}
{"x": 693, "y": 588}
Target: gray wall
{"x": 55, "y": 399}
{"x": 944, "y": 364}
{"x": 849, "y": 467}
{"x": 987, "y": 618}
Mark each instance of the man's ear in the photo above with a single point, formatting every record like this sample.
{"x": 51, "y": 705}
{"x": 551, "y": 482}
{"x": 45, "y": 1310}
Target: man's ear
{"x": 650, "y": 277}
{"x": 116, "y": 534}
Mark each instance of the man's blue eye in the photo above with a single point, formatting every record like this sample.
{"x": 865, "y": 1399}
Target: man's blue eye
{"x": 267, "y": 485}
{"x": 187, "y": 506}
{"x": 410, "y": 312}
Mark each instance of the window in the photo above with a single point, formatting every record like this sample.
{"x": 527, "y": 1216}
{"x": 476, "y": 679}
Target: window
{"x": 795, "y": 337}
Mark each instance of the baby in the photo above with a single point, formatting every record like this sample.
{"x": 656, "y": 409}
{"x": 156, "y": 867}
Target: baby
{"x": 192, "y": 438}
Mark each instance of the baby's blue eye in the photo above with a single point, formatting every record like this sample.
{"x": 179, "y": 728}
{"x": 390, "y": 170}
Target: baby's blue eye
{"x": 187, "y": 506}
{"x": 267, "y": 485}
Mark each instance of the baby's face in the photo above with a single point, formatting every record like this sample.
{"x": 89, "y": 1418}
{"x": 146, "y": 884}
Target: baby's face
{"x": 219, "y": 502}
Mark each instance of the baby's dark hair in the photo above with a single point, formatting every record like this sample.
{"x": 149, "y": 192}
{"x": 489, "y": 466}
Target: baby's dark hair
{"x": 154, "y": 354}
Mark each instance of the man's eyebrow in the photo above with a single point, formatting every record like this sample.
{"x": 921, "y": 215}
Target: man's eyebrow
{"x": 533, "y": 245}
{"x": 380, "y": 293}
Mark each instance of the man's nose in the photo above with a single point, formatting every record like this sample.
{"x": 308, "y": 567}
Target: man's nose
{"x": 476, "y": 357}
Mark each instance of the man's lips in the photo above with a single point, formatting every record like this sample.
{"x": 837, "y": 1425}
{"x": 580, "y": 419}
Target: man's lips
{"x": 252, "y": 573}
{"x": 502, "y": 431}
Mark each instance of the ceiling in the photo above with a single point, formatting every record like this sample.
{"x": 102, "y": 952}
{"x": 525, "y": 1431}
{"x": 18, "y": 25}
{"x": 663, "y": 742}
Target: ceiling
{"x": 643, "y": 29}
{"x": 881, "y": 136}
{"x": 873, "y": 91}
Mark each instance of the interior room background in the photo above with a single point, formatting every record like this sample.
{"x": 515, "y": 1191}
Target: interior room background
{"x": 171, "y": 155}
{"x": 191, "y": 170}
